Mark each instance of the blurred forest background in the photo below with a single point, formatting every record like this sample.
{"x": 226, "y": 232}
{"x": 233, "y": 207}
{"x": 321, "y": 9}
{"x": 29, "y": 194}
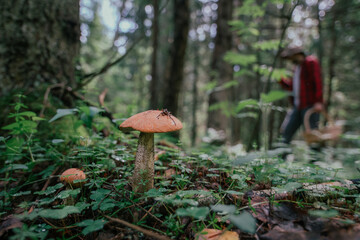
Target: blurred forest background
{"x": 203, "y": 60}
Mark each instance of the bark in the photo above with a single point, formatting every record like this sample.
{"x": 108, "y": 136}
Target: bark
{"x": 154, "y": 90}
{"x": 332, "y": 59}
{"x": 222, "y": 70}
{"x": 175, "y": 71}
{"x": 320, "y": 31}
{"x": 194, "y": 125}
{"x": 143, "y": 178}
{"x": 39, "y": 42}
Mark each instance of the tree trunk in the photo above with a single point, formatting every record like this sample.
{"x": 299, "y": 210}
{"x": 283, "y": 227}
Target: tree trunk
{"x": 194, "y": 125}
{"x": 154, "y": 90}
{"x": 174, "y": 73}
{"x": 332, "y": 59}
{"x": 39, "y": 42}
{"x": 320, "y": 40}
{"x": 222, "y": 70}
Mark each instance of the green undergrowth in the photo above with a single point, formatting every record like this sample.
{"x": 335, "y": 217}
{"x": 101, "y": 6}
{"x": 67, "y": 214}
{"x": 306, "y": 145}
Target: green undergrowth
{"x": 194, "y": 189}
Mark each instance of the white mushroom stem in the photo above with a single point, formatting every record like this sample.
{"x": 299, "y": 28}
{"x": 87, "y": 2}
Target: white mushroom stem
{"x": 143, "y": 179}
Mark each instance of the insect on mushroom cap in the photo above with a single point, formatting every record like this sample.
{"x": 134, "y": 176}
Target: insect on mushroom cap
{"x": 152, "y": 121}
{"x": 72, "y": 174}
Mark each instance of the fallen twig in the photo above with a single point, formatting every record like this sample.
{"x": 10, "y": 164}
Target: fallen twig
{"x": 140, "y": 229}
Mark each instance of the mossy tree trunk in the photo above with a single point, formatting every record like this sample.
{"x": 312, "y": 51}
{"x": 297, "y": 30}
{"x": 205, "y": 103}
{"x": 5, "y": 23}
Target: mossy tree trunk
{"x": 39, "y": 44}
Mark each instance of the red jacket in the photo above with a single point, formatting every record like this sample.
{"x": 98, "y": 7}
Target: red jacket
{"x": 310, "y": 83}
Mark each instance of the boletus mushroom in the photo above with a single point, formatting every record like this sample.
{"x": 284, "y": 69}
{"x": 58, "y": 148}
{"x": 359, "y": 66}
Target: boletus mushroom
{"x": 148, "y": 123}
{"x": 69, "y": 178}
{"x": 72, "y": 174}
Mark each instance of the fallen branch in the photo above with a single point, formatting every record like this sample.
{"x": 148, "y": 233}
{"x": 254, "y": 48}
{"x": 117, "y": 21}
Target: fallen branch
{"x": 140, "y": 229}
{"x": 309, "y": 191}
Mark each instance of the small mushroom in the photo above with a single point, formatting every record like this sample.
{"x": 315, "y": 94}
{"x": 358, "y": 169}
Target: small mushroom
{"x": 72, "y": 174}
{"x": 148, "y": 123}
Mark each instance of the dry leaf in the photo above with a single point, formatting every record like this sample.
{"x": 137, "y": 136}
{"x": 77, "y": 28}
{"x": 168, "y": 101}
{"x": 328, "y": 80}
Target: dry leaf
{"x": 214, "y": 234}
{"x": 169, "y": 172}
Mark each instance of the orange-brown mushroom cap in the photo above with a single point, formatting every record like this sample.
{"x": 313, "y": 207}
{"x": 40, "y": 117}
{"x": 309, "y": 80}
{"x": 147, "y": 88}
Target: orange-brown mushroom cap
{"x": 72, "y": 174}
{"x": 152, "y": 121}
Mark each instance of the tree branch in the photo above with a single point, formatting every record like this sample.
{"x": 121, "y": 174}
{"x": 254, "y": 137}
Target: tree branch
{"x": 89, "y": 77}
{"x": 268, "y": 82}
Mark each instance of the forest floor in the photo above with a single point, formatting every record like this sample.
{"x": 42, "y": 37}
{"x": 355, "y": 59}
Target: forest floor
{"x": 204, "y": 193}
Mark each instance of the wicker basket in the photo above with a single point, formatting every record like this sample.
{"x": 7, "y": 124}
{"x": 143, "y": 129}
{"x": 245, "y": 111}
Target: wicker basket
{"x": 330, "y": 132}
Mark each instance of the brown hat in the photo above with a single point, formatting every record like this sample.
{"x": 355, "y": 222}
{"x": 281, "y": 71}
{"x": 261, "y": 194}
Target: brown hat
{"x": 152, "y": 121}
{"x": 291, "y": 51}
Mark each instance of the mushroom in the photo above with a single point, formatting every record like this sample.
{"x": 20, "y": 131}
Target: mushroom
{"x": 148, "y": 123}
{"x": 72, "y": 174}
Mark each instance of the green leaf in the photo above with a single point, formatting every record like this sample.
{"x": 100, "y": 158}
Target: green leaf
{"x": 107, "y": 204}
{"x": 240, "y": 59}
{"x": 267, "y": 45}
{"x": 99, "y": 194}
{"x": 244, "y": 221}
{"x": 26, "y": 114}
{"x": 230, "y": 84}
{"x": 233, "y": 192}
{"x": 236, "y": 24}
{"x": 50, "y": 189}
{"x": 225, "y": 107}
{"x": 154, "y": 192}
{"x": 38, "y": 118}
{"x": 67, "y": 193}
{"x": 278, "y": 73}
{"x": 251, "y": 9}
{"x": 324, "y": 213}
{"x": 56, "y": 141}
{"x": 25, "y": 124}
{"x": 82, "y": 205}
{"x": 246, "y": 103}
{"x": 91, "y": 225}
{"x": 223, "y": 209}
{"x": 58, "y": 213}
{"x": 190, "y": 193}
{"x": 210, "y": 86}
{"x": 15, "y": 144}
{"x": 94, "y": 111}
{"x": 289, "y": 187}
{"x": 63, "y": 112}
{"x": 46, "y": 201}
{"x": 195, "y": 212}
{"x": 21, "y": 193}
{"x": 273, "y": 96}
{"x": 13, "y": 167}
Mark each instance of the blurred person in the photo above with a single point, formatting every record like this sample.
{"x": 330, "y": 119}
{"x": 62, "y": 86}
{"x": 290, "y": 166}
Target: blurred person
{"x": 306, "y": 91}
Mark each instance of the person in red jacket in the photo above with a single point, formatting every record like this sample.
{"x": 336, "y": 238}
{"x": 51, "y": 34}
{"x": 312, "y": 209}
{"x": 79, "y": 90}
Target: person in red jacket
{"x": 306, "y": 89}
